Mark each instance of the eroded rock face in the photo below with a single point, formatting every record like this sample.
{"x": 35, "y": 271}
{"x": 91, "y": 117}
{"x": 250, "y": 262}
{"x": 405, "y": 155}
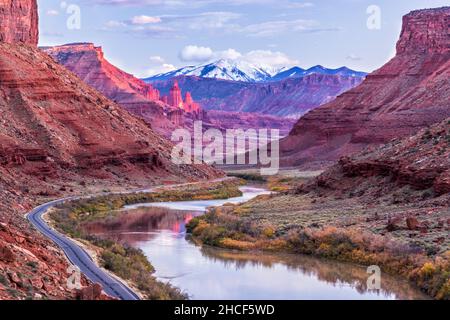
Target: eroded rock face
{"x": 287, "y": 98}
{"x": 89, "y": 64}
{"x": 50, "y": 117}
{"x": 19, "y": 21}
{"x": 420, "y": 162}
{"x": 164, "y": 113}
{"x": 92, "y": 292}
{"x": 425, "y": 31}
{"x": 410, "y": 92}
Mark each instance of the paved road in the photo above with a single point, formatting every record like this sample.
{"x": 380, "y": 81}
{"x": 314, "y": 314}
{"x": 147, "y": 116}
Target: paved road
{"x": 78, "y": 256}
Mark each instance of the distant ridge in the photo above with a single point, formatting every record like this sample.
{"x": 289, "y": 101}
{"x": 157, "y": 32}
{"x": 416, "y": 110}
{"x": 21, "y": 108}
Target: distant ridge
{"x": 242, "y": 71}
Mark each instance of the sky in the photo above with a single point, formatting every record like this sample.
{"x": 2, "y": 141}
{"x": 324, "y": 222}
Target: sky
{"x": 146, "y": 37}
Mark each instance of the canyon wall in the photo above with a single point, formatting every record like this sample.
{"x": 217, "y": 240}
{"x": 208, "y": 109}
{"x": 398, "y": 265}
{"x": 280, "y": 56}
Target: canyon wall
{"x": 19, "y": 21}
{"x": 287, "y": 98}
{"x": 410, "y": 92}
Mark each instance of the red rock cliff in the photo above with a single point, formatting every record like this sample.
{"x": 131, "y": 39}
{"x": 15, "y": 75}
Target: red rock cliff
{"x": 19, "y": 21}
{"x": 410, "y": 92}
{"x": 425, "y": 31}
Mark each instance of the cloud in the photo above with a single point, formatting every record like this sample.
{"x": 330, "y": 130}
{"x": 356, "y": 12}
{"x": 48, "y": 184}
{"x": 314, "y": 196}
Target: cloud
{"x": 231, "y": 54}
{"x": 113, "y": 24}
{"x": 273, "y": 28}
{"x": 202, "y": 21}
{"x": 353, "y": 57}
{"x": 158, "y": 66}
{"x": 174, "y": 25}
{"x": 269, "y": 59}
{"x": 265, "y": 58}
{"x": 298, "y": 5}
{"x": 193, "y": 53}
{"x": 203, "y": 3}
{"x": 52, "y": 34}
{"x": 164, "y": 68}
{"x": 145, "y": 20}
{"x": 153, "y": 31}
{"x": 52, "y": 12}
{"x": 157, "y": 60}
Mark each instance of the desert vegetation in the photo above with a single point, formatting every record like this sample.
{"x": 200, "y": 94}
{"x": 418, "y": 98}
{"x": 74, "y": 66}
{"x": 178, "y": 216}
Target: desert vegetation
{"x": 128, "y": 263}
{"x": 339, "y": 230}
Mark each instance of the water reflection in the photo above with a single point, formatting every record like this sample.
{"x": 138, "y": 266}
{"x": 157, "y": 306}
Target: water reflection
{"x": 211, "y": 273}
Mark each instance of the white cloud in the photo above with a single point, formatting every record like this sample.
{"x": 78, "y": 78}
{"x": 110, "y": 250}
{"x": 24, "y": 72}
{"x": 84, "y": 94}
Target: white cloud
{"x": 145, "y": 20}
{"x": 157, "y": 60}
{"x": 158, "y": 65}
{"x": 164, "y": 68}
{"x": 112, "y": 24}
{"x": 272, "y": 28}
{"x": 270, "y": 59}
{"x": 52, "y": 12}
{"x": 265, "y": 58}
{"x": 209, "y": 20}
{"x": 353, "y": 57}
{"x": 193, "y": 53}
{"x": 203, "y": 3}
{"x": 231, "y": 54}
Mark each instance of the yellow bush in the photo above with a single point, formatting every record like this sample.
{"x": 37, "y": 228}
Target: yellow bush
{"x": 276, "y": 244}
{"x": 202, "y": 226}
{"x": 269, "y": 232}
{"x": 427, "y": 270}
{"x": 444, "y": 292}
{"x": 241, "y": 210}
{"x": 324, "y": 249}
{"x": 236, "y": 244}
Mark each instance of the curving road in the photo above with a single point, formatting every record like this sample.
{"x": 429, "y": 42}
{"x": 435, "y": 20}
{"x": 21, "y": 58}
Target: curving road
{"x": 78, "y": 256}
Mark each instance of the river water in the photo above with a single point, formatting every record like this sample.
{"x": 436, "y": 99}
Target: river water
{"x": 211, "y": 273}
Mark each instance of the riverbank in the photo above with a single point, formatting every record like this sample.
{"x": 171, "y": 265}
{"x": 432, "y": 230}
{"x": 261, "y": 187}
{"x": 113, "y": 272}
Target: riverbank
{"x": 128, "y": 263}
{"x": 339, "y": 228}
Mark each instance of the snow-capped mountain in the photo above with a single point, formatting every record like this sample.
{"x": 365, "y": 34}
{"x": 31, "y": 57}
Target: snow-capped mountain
{"x": 297, "y": 72}
{"x": 240, "y": 70}
{"x": 233, "y": 70}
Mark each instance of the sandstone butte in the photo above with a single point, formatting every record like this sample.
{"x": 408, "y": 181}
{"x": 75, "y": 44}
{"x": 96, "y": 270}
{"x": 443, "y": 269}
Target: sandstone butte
{"x": 60, "y": 136}
{"x": 410, "y": 92}
{"x": 88, "y": 62}
{"x": 164, "y": 113}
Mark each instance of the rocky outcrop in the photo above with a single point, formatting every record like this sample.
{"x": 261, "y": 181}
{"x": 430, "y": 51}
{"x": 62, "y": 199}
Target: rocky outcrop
{"x": 90, "y": 293}
{"x": 190, "y": 105}
{"x": 50, "y": 116}
{"x": 88, "y": 62}
{"x": 287, "y": 98}
{"x": 164, "y": 113}
{"x": 410, "y": 92}
{"x": 19, "y": 21}
{"x": 425, "y": 31}
{"x": 59, "y": 137}
{"x": 420, "y": 162}
{"x": 175, "y": 99}
{"x": 224, "y": 120}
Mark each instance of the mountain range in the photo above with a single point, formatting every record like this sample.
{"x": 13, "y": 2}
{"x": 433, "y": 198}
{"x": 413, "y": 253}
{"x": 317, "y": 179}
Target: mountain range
{"x": 241, "y": 70}
{"x": 289, "y": 98}
{"x": 89, "y": 63}
{"x": 62, "y": 137}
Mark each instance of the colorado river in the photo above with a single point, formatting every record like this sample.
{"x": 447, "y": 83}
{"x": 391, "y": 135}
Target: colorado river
{"x": 211, "y": 273}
